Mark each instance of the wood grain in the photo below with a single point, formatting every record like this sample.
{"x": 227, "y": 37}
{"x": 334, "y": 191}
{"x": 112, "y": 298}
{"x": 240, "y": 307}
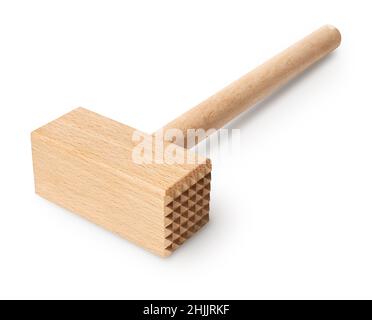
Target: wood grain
{"x": 83, "y": 162}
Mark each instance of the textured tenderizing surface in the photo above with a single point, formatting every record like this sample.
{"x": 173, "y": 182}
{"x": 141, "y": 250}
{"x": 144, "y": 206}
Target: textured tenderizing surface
{"x": 188, "y": 212}
{"x": 83, "y": 162}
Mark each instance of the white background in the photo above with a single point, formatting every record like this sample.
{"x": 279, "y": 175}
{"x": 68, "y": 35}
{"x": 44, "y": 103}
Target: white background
{"x": 291, "y": 217}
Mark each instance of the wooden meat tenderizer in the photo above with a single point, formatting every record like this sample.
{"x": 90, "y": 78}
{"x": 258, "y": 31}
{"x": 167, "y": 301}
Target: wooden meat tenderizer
{"x": 83, "y": 161}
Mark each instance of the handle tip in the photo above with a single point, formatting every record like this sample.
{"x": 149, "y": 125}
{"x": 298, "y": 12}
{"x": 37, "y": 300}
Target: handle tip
{"x": 336, "y": 34}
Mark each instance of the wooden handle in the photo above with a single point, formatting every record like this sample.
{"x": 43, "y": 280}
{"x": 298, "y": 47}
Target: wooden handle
{"x": 226, "y": 104}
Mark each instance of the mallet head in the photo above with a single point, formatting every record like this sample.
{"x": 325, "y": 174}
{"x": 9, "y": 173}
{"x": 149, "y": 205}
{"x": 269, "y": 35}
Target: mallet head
{"x": 84, "y": 163}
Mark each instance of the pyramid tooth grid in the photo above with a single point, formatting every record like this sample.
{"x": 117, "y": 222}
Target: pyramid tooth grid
{"x": 187, "y": 213}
